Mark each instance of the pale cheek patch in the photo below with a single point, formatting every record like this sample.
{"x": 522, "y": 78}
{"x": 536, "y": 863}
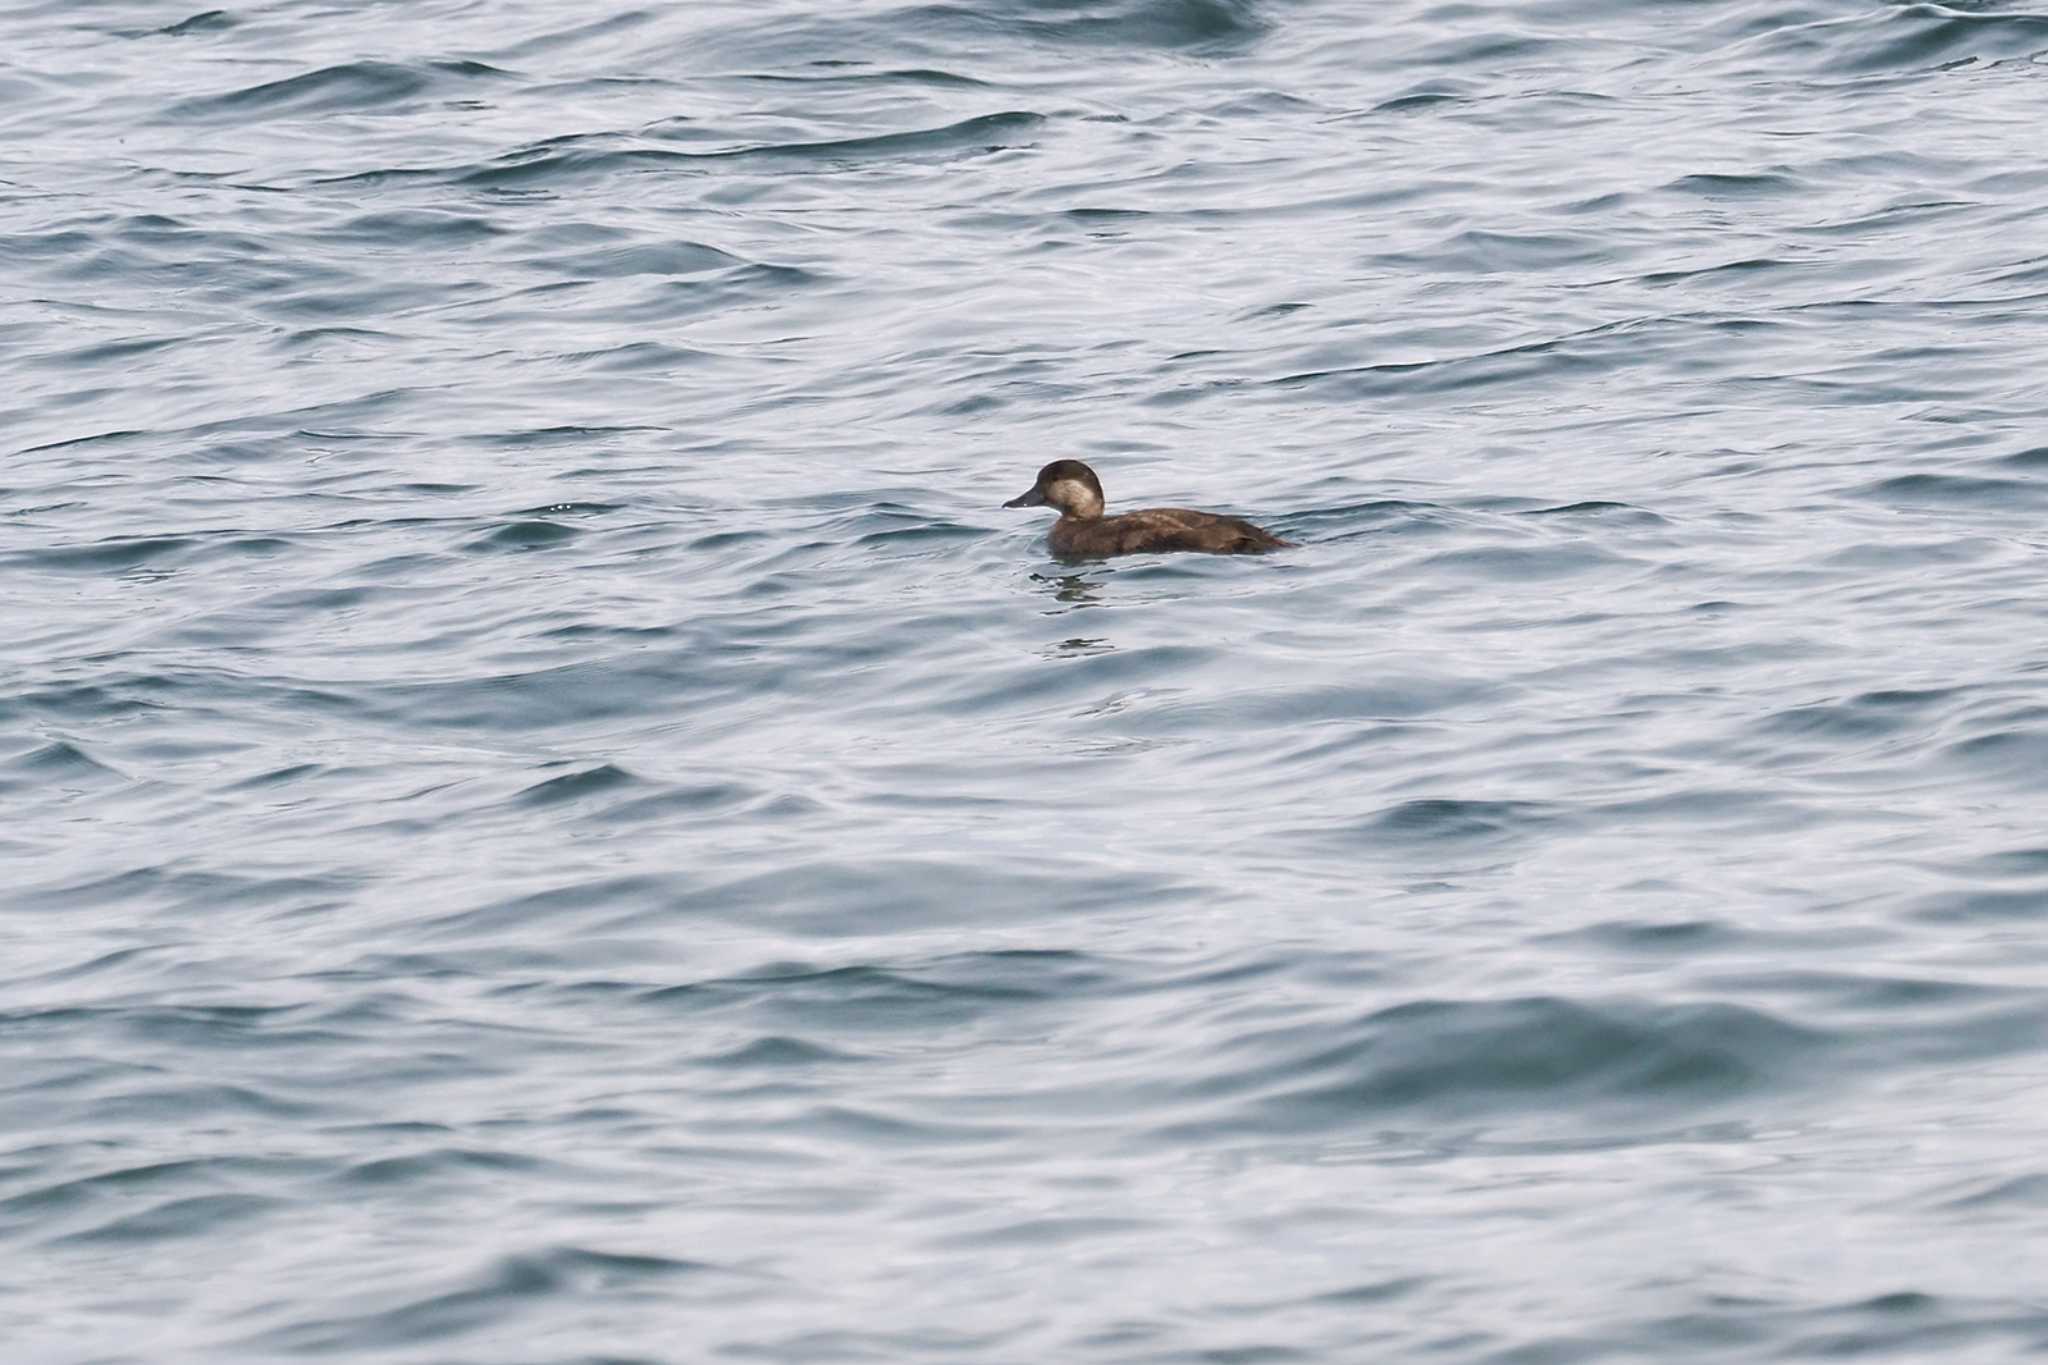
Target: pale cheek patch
{"x": 1073, "y": 495}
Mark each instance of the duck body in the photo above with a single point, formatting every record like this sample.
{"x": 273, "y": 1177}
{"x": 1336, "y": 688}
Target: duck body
{"x": 1158, "y": 529}
{"x": 1083, "y": 532}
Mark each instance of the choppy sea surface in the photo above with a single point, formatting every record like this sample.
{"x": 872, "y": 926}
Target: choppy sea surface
{"x": 550, "y": 817}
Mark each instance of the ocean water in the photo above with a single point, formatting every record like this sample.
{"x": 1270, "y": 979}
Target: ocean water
{"x": 549, "y": 815}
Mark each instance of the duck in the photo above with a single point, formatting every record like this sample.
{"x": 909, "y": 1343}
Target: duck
{"x": 1083, "y": 532}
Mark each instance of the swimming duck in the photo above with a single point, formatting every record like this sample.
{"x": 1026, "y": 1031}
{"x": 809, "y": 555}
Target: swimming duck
{"x": 1082, "y": 532}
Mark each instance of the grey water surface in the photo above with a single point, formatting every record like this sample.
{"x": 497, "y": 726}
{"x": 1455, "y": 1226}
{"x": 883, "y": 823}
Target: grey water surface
{"x": 548, "y": 816}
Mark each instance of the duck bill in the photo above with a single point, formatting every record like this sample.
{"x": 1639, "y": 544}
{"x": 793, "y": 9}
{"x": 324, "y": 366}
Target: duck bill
{"x": 1035, "y": 498}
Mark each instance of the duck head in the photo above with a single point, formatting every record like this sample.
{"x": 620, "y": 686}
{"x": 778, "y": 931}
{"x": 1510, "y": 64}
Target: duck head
{"x": 1067, "y": 485}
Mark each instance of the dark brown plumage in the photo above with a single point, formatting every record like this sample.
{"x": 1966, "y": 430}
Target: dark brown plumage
{"x": 1083, "y": 532}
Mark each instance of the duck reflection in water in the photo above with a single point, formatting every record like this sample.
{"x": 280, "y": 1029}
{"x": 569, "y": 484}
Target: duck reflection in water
{"x": 1073, "y": 592}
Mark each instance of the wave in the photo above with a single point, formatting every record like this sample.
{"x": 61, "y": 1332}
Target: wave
{"x": 384, "y": 88}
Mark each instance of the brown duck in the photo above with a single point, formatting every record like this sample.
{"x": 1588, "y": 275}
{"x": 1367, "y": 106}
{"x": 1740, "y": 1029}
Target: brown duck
{"x": 1082, "y": 532}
